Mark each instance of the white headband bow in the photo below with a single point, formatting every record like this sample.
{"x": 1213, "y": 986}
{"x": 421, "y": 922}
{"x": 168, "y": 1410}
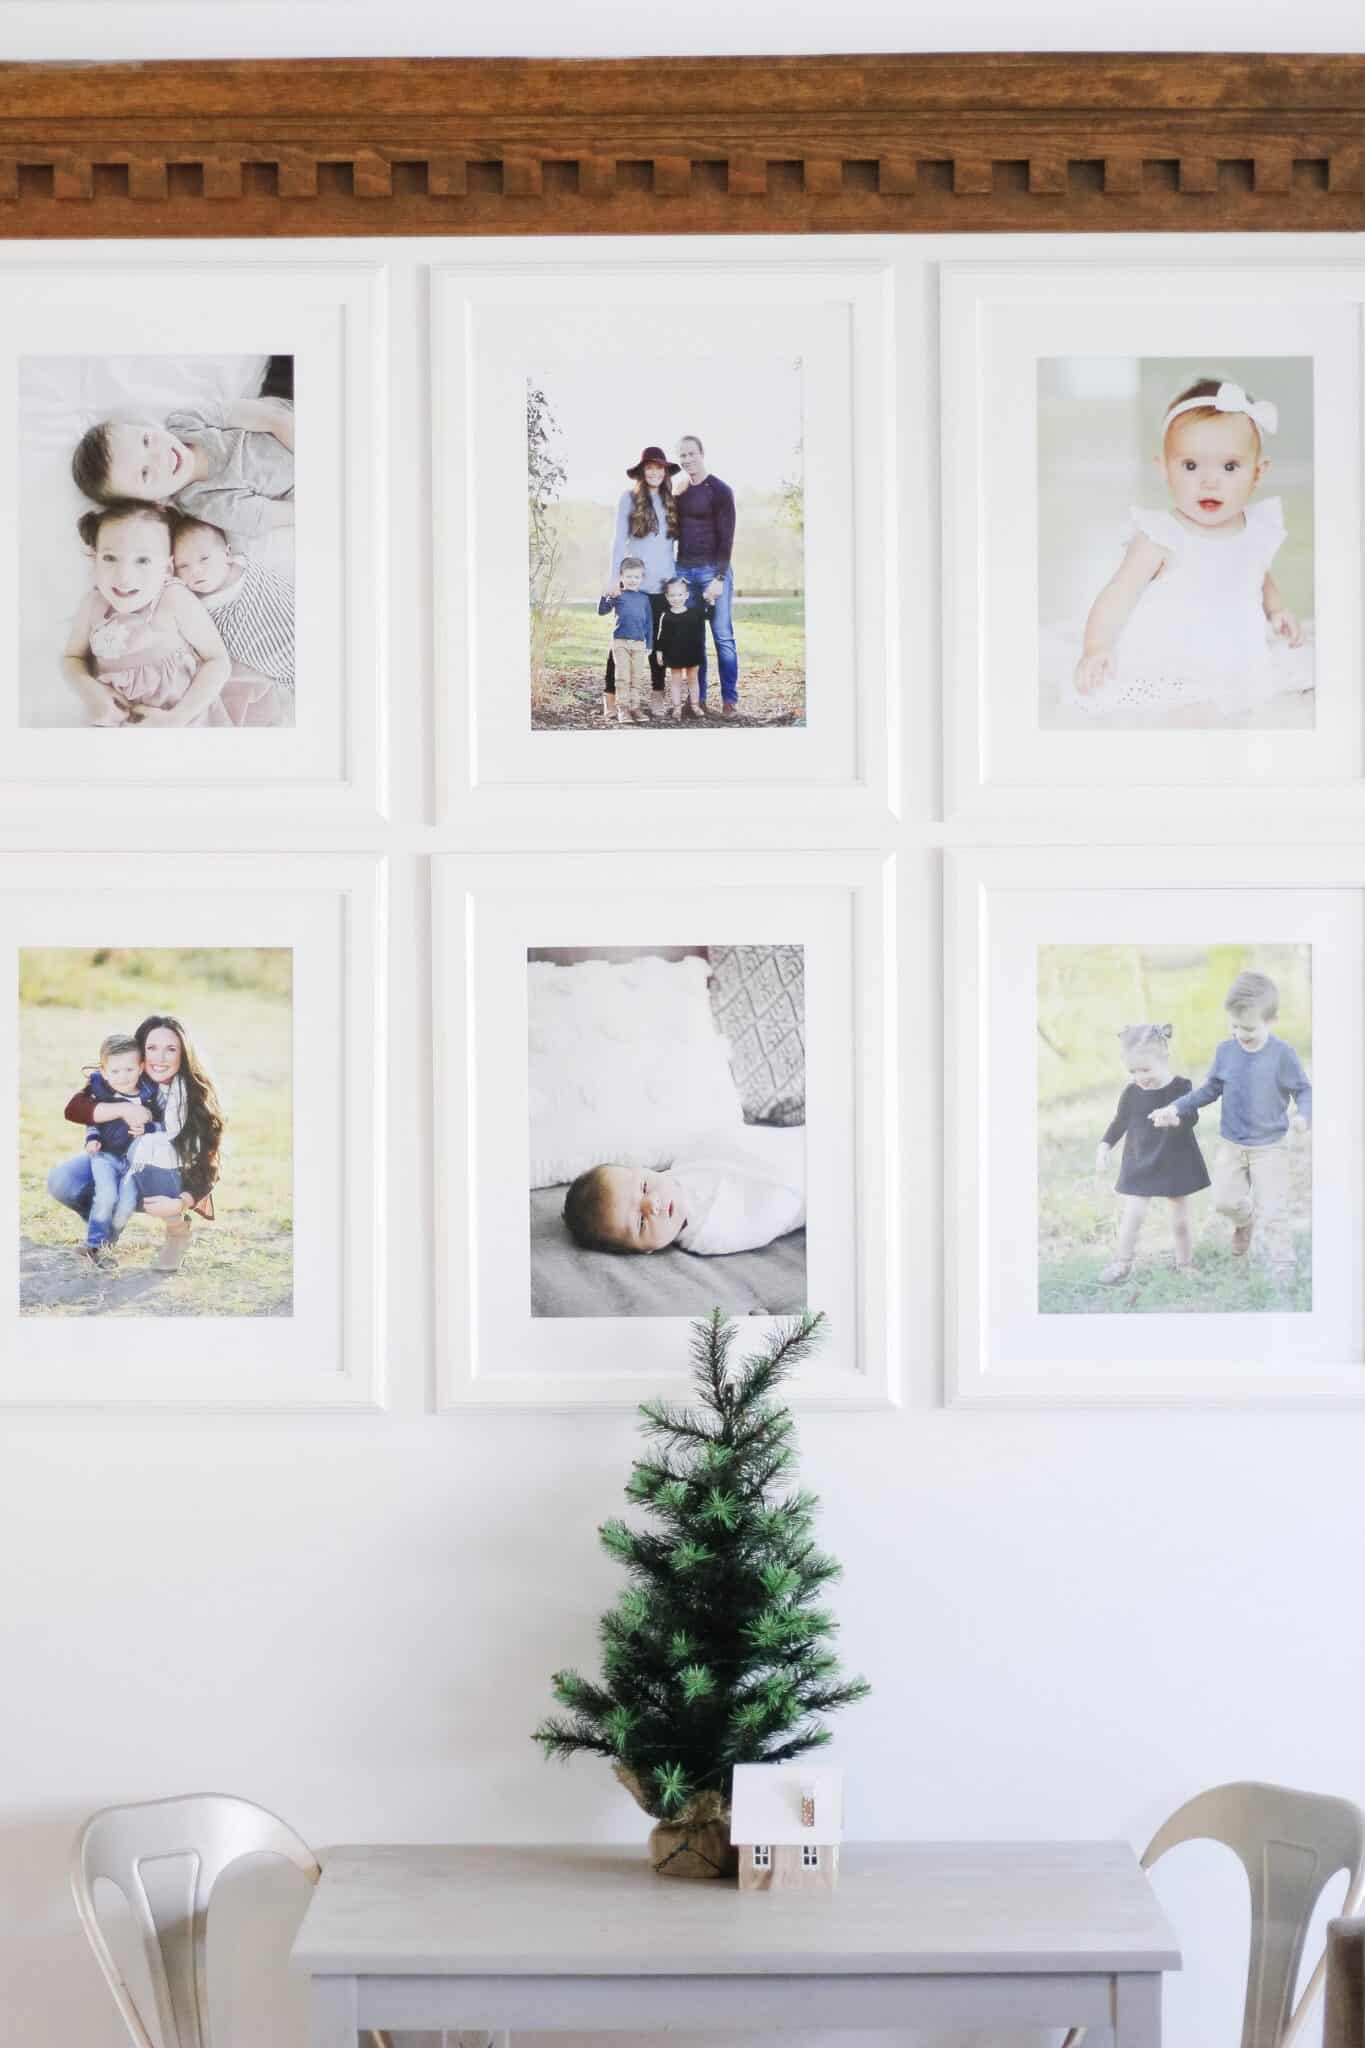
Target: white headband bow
{"x": 1262, "y": 412}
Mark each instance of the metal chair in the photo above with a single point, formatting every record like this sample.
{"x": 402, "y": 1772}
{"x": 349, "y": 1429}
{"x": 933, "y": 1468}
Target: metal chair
{"x": 205, "y": 1833}
{"x": 1291, "y": 1845}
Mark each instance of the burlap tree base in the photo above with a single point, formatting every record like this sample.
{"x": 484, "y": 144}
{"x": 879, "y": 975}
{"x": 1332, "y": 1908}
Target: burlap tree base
{"x": 695, "y": 1842}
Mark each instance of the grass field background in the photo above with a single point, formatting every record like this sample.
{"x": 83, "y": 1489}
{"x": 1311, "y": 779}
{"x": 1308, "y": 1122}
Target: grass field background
{"x": 236, "y": 1003}
{"x": 1086, "y": 994}
{"x": 769, "y": 633}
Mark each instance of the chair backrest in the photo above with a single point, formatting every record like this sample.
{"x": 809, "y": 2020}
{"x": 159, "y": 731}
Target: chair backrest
{"x": 1291, "y": 1845}
{"x": 193, "y": 1841}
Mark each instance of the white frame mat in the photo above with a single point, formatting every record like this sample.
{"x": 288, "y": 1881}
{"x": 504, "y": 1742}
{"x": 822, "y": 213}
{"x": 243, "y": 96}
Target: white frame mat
{"x": 837, "y": 313}
{"x": 998, "y": 320}
{"x": 487, "y": 911}
{"x": 1001, "y": 905}
{"x": 329, "y": 909}
{"x": 331, "y": 766}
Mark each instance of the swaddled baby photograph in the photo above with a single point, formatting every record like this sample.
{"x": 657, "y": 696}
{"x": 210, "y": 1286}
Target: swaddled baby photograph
{"x": 157, "y": 542}
{"x": 667, "y": 1099}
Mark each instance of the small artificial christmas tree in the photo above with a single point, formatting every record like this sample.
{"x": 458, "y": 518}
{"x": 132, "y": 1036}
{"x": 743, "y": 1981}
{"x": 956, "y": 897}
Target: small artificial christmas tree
{"x": 716, "y": 1653}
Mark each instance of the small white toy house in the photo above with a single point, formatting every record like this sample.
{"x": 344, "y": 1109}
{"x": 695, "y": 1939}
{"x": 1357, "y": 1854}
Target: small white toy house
{"x": 785, "y": 1823}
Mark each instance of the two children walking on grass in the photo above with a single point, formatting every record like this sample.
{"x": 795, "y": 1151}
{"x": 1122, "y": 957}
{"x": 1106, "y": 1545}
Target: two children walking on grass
{"x": 1263, "y": 1093}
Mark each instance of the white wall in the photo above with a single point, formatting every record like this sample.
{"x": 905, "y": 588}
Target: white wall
{"x": 1071, "y": 1621}
{"x": 45, "y": 29}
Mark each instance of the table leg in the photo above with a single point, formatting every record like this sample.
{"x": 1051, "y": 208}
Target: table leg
{"x": 333, "y": 2012}
{"x": 1137, "y": 2011}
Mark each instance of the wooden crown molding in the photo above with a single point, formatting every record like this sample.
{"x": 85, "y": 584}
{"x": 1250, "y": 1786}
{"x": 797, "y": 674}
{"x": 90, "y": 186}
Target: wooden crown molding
{"x": 751, "y": 145}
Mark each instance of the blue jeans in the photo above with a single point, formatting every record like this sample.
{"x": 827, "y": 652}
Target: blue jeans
{"x": 103, "y": 1199}
{"x": 115, "y": 1197}
{"x": 73, "y": 1184}
{"x": 722, "y": 630}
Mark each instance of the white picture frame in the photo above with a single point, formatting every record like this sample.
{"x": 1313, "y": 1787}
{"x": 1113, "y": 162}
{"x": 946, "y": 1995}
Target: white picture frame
{"x": 999, "y": 320}
{"x": 329, "y": 910}
{"x": 493, "y": 323}
{"x": 487, "y": 911}
{"x": 1000, "y": 906}
{"x": 331, "y": 765}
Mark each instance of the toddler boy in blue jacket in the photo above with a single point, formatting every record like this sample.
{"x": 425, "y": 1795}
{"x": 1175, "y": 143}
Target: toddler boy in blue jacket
{"x": 118, "y": 1078}
{"x": 630, "y": 643}
{"x": 1257, "y": 1076}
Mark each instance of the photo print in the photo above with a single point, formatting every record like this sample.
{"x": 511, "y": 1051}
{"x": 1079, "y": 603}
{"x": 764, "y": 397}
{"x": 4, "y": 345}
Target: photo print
{"x": 1175, "y": 543}
{"x": 667, "y": 1102}
{"x": 666, "y": 530}
{"x": 1175, "y": 1108}
{"x": 157, "y": 545}
{"x": 156, "y": 1132}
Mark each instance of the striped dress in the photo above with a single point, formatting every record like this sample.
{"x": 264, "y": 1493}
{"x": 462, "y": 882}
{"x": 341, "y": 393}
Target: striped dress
{"x": 255, "y": 616}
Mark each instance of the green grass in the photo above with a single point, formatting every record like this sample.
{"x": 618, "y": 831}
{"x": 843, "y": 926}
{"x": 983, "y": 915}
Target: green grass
{"x": 237, "y": 1004}
{"x": 1078, "y": 1214}
{"x": 769, "y": 636}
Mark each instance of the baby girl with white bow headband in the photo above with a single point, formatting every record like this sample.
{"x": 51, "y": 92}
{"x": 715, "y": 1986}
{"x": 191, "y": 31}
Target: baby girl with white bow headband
{"x": 1191, "y": 629}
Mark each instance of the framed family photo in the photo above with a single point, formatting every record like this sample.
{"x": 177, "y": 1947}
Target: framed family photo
{"x": 190, "y": 570}
{"x": 1152, "y": 530}
{"x": 1156, "y": 1161}
{"x": 661, "y": 1100}
{"x": 669, "y": 519}
{"x": 192, "y": 1207}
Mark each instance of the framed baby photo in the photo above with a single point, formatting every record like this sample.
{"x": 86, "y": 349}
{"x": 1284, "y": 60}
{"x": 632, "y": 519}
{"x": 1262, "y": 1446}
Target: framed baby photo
{"x": 191, "y": 1195}
{"x": 658, "y": 1100}
{"x": 191, "y": 562}
{"x": 1152, "y": 532}
{"x": 665, "y": 523}
{"x": 1156, "y": 1168}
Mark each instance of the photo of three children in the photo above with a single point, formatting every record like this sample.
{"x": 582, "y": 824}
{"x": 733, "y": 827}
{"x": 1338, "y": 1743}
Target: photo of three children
{"x": 164, "y": 535}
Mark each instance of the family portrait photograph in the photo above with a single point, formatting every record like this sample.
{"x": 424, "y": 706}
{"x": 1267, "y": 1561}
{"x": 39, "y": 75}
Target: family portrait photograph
{"x": 1174, "y": 1121}
{"x": 1175, "y": 524}
{"x": 667, "y": 1111}
{"x": 666, "y": 531}
{"x": 157, "y": 560}
{"x": 156, "y": 1131}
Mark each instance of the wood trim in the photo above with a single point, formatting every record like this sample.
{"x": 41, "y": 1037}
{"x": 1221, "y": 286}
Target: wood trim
{"x": 822, "y": 145}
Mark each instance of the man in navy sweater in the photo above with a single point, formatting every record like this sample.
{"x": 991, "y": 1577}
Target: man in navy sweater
{"x": 706, "y": 539}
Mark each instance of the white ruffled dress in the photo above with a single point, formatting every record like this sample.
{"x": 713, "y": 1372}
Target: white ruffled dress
{"x": 1198, "y": 636}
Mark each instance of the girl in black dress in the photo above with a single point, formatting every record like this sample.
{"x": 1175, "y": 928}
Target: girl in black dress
{"x": 1155, "y": 1162}
{"x": 680, "y": 638}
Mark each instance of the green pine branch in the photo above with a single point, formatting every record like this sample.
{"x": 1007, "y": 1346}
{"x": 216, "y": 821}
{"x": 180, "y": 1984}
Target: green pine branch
{"x": 717, "y": 1651}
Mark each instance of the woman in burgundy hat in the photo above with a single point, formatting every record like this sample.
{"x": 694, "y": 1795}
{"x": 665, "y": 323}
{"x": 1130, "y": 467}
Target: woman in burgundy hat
{"x": 646, "y": 526}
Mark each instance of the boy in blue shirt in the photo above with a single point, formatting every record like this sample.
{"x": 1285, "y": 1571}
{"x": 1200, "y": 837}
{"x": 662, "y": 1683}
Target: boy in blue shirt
{"x": 120, "y": 1077}
{"x": 1257, "y": 1076}
{"x": 630, "y": 644}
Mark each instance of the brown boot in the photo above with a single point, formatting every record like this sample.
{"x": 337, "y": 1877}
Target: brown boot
{"x": 609, "y": 707}
{"x": 1241, "y": 1240}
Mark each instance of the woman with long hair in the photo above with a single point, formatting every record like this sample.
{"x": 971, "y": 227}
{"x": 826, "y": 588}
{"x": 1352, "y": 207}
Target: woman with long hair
{"x": 177, "y": 1167}
{"x": 646, "y": 526}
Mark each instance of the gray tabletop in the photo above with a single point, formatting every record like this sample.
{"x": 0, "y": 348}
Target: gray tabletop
{"x": 912, "y": 1909}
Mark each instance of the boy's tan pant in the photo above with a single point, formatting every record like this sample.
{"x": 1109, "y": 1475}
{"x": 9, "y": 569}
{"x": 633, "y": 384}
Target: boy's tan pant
{"x": 1251, "y": 1186}
{"x": 632, "y": 674}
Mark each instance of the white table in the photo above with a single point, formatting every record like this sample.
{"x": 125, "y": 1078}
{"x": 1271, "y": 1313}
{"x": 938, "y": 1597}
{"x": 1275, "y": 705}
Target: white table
{"x": 944, "y": 1935}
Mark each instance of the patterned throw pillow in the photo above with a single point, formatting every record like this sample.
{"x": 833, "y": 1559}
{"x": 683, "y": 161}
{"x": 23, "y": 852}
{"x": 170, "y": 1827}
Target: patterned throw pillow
{"x": 758, "y": 998}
